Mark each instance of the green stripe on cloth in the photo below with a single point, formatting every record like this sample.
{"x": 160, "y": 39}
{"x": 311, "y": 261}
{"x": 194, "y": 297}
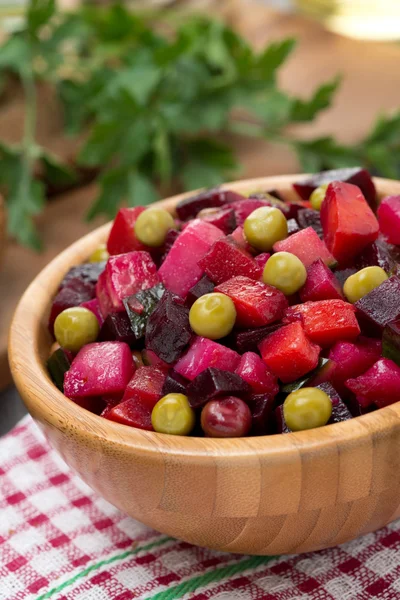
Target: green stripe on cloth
{"x": 100, "y": 564}
{"x": 214, "y": 576}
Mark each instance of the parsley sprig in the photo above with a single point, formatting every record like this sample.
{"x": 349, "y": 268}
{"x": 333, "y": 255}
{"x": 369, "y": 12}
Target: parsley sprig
{"x": 154, "y": 103}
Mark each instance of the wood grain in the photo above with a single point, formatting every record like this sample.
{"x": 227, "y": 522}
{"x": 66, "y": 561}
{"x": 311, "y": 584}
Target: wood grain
{"x": 262, "y": 495}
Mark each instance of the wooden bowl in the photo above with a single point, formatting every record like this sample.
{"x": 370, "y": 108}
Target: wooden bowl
{"x": 258, "y": 495}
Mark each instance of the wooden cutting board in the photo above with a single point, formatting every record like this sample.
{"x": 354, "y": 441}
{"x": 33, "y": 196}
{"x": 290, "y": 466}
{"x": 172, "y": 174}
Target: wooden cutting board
{"x": 371, "y": 80}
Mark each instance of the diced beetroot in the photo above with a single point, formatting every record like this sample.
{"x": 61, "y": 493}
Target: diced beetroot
{"x": 125, "y": 275}
{"x": 213, "y": 383}
{"x": 244, "y": 208}
{"x": 240, "y": 239}
{"x": 86, "y": 273}
{"x": 340, "y": 412}
{"x": 391, "y": 341}
{"x": 389, "y": 218}
{"x": 307, "y": 217}
{"x": 325, "y": 322}
{"x": 170, "y": 239}
{"x": 132, "y": 412}
{"x": 321, "y": 284}
{"x": 353, "y": 359}
{"x": 253, "y": 370}
{"x": 354, "y": 175}
{"x": 380, "y": 254}
{"x": 150, "y": 359}
{"x": 190, "y": 207}
{"x": 248, "y": 339}
{"x": 288, "y": 353}
{"x": 110, "y": 403}
{"x": 281, "y": 426}
{"x": 73, "y": 294}
{"x": 261, "y": 408}
{"x": 379, "y": 385}
{"x": 122, "y": 237}
{"x": 146, "y": 386}
{"x": 202, "y": 287}
{"x": 379, "y": 307}
{"x": 225, "y": 260}
{"x": 348, "y": 222}
{"x": 224, "y": 219}
{"x": 99, "y": 369}
{"x": 289, "y": 209}
{"x": 168, "y": 331}
{"x": 204, "y": 353}
{"x": 93, "y": 404}
{"x": 117, "y": 326}
{"x": 293, "y": 226}
{"x": 94, "y": 307}
{"x": 321, "y": 374}
{"x": 307, "y": 246}
{"x": 180, "y": 270}
{"x": 261, "y": 259}
{"x": 174, "y": 384}
{"x": 256, "y": 304}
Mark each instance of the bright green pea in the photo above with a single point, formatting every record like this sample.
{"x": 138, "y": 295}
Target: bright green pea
{"x": 363, "y": 282}
{"x": 286, "y": 272}
{"x": 174, "y": 415}
{"x": 100, "y": 254}
{"x": 75, "y": 327}
{"x": 307, "y": 408}
{"x": 213, "y": 316}
{"x": 264, "y": 227}
{"x": 152, "y": 225}
{"x": 318, "y": 196}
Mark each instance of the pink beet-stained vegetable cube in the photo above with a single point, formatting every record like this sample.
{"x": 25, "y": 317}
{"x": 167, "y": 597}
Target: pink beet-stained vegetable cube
{"x": 125, "y": 275}
{"x": 239, "y": 238}
{"x": 325, "y": 322}
{"x": 122, "y": 237}
{"x": 225, "y": 260}
{"x": 389, "y": 218}
{"x": 224, "y": 219}
{"x": 256, "y": 304}
{"x": 94, "y": 307}
{"x": 348, "y": 223}
{"x": 380, "y": 385}
{"x": 204, "y": 353}
{"x": 146, "y": 385}
{"x": 99, "y": 369}
{"x": 321, "y": 284}
{"x": 254, "y": 371}
{"x": 288, "y": 353}
{"x": 353, "y": 359}
{"x": 261, "y": 259}
{"x": 180, "y": 270}
{"x": 307, "y": 246}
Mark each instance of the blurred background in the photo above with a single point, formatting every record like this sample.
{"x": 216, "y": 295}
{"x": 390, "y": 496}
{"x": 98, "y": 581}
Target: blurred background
{"x": 104, "y": 103}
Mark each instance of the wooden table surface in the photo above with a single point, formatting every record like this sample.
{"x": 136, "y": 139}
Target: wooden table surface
{"x": 371, "y": 84}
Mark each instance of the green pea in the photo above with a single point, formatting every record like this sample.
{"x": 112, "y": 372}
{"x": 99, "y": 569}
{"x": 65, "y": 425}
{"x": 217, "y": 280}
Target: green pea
{"x": 100, "y": 254}
{"x": 152, "y": 226}
{"x": 361, "y": 283}
{"x": 318, "y": 196}
{"x": 286, "y": 272}
{"x": 75, "y": 327}
{"x": 264, "y": 227}
{"x": 307, "y": 408}
{"x": 213, "y": 316}
{"x": 174, "y": 415}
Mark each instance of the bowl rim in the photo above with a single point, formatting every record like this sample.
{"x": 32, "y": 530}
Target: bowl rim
{"x": 49, "y": 405}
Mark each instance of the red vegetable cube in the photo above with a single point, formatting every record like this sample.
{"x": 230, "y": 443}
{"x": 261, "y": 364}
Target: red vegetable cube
{"x": 389, "y": 218}
{"x": 353, "y": 359}
{"x": 380, "y": 385}
{"x": 125, "y": 275}
{"x": 261, "y": 259}
{"x": 146, "y": 385}
{"x": 190, "y": 207}
{"x": 307, "y": 246}
{"x": 348, "y": 222}
{"x": 122, "y": 237}
{"x": 99, "y": 369}
{"x": 240, "y": 239}
{"x": 225, "y": 260}
{"x": 253, "y": 370}
{"x": 224, "y": 219}
{"x": 288, "y": 353}
{"x": 321, "y": 284}
{"x": 325, "y": 322}
{"x": 256, "y": 304}
{"x": 204, "y": 353}
{"x": 94, "y": 307}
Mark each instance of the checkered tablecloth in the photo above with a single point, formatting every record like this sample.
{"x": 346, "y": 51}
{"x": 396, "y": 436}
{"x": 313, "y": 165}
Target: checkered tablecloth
{"x": 60, "y": 541}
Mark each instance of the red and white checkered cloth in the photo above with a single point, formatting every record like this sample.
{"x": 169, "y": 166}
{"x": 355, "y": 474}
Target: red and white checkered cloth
{"x": 60, "y": 541}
